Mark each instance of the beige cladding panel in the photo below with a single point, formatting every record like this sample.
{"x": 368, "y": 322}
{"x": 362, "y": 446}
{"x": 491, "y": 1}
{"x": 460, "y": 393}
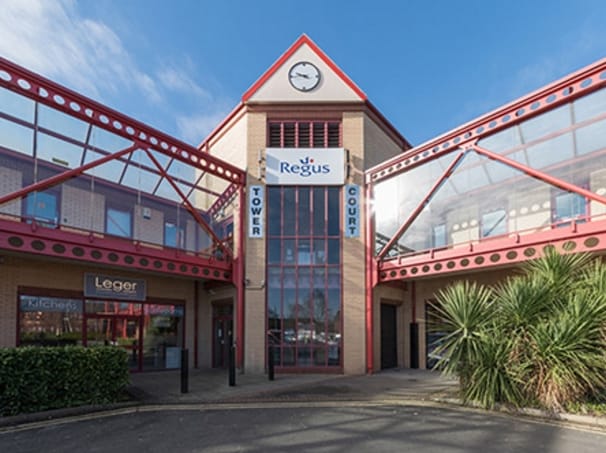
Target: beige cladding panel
{"x": 10, "y": 181}
{"x": 379, "y": 146}
{"x": 149, "y": 225}
{"x": 82, "y": 208}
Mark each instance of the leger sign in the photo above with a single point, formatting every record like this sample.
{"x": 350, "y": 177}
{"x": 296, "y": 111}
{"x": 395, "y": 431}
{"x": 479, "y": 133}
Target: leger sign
{"x": 305, "y": 166}
{"x": 105, "y": 286}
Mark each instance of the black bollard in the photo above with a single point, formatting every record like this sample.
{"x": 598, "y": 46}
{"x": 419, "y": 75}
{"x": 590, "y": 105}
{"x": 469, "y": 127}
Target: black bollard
{"x": 184, "y": 371}
{"x": 414, "y": 345}
{"x": 232, "y": 366}
{"x": 270, "y": 362}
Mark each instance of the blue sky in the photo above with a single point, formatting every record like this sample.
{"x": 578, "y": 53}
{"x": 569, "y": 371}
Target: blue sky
{"x": 182, "y": 65}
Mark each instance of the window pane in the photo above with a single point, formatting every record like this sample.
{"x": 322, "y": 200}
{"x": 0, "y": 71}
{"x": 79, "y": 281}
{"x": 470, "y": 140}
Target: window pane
{"x": 174, "y": 236}
{"x": 304, "y": 252}
{"x": 118, "y": 222}
{"x": 289, "y": 251}
{"x": 43, "y": 207}
{"x": 274, "y": 207}
{"x": 439, "y": 236}
{"x": 303, "y": 207}
{"x": 334, "y": 212}
{"x": 494, "y": 223}
{"x": 319, "y": 228}
{"x": 334, "y": 251}
{"x": 274, "y": 250}
{"x": 289, "y": 212}
{"x": 50, "y": 321}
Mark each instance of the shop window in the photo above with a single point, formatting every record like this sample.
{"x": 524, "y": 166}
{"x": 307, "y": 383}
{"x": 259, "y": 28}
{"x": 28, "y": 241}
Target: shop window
{"x": 174, "y": 235}
{"x": 118, "y": 221}
{"x": 49, "y": 321}
{"x": 569, "y": 206}
{"x": 43, "y": 207}
{"x": 494, "y": 223}
{"x": 162, "y": 336}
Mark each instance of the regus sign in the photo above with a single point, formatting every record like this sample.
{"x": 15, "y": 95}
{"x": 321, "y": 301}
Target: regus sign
{"x": 305, "y": 166}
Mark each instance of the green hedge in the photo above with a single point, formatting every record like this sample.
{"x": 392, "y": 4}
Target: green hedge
{"x": 34, "y": 379}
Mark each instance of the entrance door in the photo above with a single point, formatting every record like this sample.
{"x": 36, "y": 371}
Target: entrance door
{"x": 389, "y": 347}
{"x": 222, "y": 334}
{"x": 121, "y": 331}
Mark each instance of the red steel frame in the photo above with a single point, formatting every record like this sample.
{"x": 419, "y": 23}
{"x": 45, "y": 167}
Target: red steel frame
{"x": 28, "y": 238}
{"x": 504, "y": 250}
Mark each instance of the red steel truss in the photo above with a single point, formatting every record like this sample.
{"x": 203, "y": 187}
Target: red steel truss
{"x": 466, "y": 137}
{"x": 93, "y": 247}
{"x": 499, "y": 251}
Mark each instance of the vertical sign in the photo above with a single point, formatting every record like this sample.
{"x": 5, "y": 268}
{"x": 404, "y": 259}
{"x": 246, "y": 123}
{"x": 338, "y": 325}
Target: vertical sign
{"x": 255, "y": 211}
{"x": 352, "y": 211}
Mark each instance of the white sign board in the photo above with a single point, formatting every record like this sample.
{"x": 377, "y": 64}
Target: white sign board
{"x": 305, "y": 166}
{"x": 256, "y": 199}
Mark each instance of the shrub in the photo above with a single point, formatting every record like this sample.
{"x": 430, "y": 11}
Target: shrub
{"x": 40, "y": 378}
{"x": 537, "y": 338}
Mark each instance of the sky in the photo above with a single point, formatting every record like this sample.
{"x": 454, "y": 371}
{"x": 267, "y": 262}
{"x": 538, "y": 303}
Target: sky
{"x": 182, "y": 65}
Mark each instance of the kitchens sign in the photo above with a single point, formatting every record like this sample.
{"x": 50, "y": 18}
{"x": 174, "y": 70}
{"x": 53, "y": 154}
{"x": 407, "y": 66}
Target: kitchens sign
{"x": 110, "y": 287}
{"x": 305, "y": 166}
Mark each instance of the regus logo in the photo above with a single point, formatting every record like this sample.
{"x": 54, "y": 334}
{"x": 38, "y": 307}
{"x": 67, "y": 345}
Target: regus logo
{"x": 305, "y": 167}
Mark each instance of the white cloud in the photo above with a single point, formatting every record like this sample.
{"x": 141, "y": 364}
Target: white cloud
{"x": 51, "y": 38}
{"x": 194, "y": 128}
{"x": 180, "y": 82}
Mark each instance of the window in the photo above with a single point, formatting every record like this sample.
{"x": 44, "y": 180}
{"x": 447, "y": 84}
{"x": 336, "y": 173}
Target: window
{"x": 174, "y": 235}
{"x": 304, "y": 276}
{"x": 119, "y": 221}
{"x": 438, "y": 236}
{"x": 568, "y": 206}
{"x": 494, "y": 223}
{"x": 304, "y": 134}
{"x": 49, "y": 321}
{"x": 42, "y": 207}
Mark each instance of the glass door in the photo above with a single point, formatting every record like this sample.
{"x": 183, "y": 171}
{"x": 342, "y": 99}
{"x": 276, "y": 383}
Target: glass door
{"x": 119, "y": 331}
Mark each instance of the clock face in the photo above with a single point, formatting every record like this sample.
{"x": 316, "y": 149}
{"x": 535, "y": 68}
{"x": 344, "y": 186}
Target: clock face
{"x": 304, "y": 76}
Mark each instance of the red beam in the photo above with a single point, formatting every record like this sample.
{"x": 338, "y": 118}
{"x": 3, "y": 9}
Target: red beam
{"x": 193, "y": 211}
{"x": 420, "y": 206}
{"x": 47, "y": 92}
{"x": 496, "y": 252}
{"x": 239, "y": 277}
{"x": 53, "y": 180}
{"x": 370, "y": 276}
{"x": 571, "y": 87}
{"x": 540, "y": 175}
{"x": 32, "y": 239}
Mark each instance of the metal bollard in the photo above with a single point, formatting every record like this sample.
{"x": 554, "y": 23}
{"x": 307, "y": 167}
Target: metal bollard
{"x": 270, "y": 363}
{"x": 232, "y": 366}
{"x": 184, "y": 370}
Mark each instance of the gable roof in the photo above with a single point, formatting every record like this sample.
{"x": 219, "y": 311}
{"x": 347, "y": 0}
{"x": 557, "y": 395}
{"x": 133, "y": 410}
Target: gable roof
{"x": 303, "y": 40}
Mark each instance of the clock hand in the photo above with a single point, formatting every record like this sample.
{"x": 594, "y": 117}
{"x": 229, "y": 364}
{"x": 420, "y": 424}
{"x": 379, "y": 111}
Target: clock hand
{"x": 305, "y": 76}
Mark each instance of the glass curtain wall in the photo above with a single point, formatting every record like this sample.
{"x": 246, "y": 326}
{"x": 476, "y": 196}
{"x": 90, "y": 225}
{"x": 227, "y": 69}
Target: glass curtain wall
{"x": 484, "y": 199}
{"x": 304, "y": 276}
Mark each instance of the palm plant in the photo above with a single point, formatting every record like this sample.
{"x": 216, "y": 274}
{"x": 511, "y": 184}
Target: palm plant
{"x": 538, "y": 337}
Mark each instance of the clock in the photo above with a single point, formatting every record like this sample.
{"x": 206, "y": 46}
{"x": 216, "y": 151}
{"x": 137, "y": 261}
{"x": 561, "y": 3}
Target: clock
{"x": 304, "y": 76}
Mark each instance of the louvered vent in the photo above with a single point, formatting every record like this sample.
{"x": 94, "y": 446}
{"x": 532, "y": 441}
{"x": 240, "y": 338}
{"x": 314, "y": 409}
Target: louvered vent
{"x": 304, "y": 134}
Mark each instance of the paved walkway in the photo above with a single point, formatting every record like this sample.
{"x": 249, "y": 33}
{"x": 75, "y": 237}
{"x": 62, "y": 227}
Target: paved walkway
{"x": 212, "y": 386}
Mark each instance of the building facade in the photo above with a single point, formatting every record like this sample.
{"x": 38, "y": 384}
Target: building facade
{"x": 304, "y": 226}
